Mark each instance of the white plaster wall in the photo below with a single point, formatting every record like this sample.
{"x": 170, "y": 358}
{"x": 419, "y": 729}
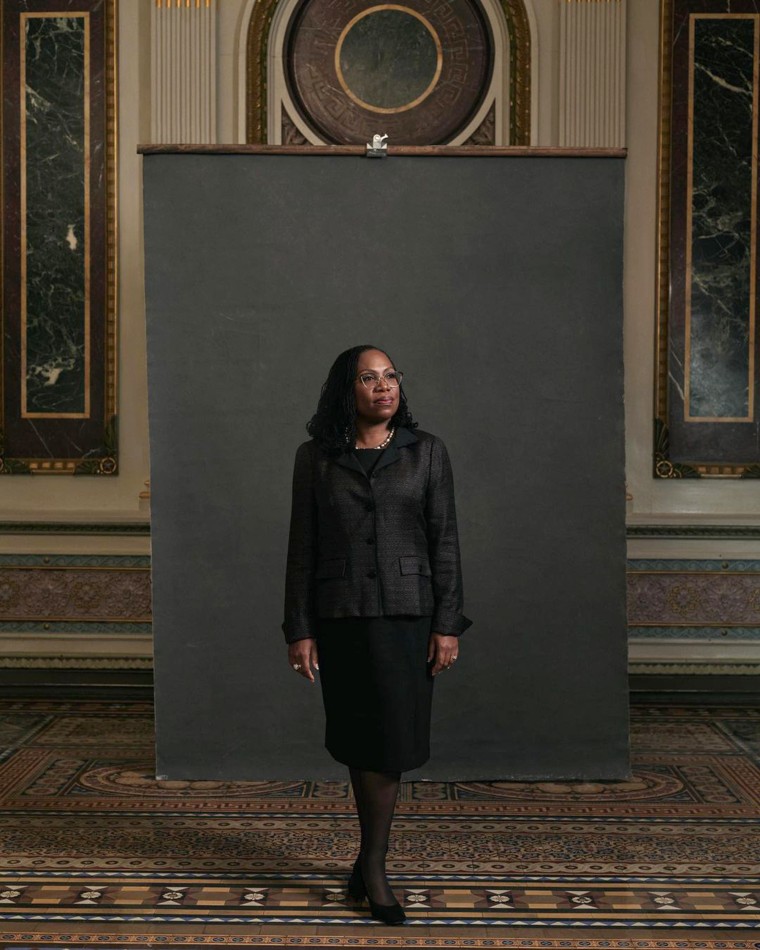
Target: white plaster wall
{"x": 545, "y": 17}
{"x": 231, "y": 32}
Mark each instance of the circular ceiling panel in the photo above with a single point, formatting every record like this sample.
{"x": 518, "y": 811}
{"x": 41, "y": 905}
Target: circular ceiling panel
{"x": 417, "y": 70}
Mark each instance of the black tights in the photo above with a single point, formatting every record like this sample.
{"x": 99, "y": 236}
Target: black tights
{"x": 375, "y": 794}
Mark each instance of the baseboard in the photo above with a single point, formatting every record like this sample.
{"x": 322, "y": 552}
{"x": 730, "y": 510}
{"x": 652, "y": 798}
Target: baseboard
{"x": 76, "y": 684}
{"x": 721, "y": 689}
{"x": 684, "y": 689}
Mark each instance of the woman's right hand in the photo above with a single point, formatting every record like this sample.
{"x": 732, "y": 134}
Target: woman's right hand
{"x": 302, "y": 655}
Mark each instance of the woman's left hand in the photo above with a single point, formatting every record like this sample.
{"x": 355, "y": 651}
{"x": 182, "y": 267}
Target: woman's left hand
{"x": 442, "y": 651}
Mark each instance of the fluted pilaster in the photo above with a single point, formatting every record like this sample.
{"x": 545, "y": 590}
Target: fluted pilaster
{"x": 183, "y": 63}
{"x": 592, "y": 73}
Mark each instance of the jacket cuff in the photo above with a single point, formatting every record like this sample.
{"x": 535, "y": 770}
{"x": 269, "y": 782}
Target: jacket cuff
{"x": 295, "y": 632}
{"x": 449, "y": 623}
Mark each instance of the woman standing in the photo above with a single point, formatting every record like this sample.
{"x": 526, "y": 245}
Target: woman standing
{"x": 373, "y": 590}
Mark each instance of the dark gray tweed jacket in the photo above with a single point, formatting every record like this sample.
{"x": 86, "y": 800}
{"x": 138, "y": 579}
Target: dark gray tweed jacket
{"x": 378, "y": 545}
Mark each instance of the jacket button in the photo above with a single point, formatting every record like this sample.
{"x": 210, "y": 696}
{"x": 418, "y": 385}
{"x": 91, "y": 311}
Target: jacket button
{"x": 371, "y": 573}
{"x": 370, "y": 540}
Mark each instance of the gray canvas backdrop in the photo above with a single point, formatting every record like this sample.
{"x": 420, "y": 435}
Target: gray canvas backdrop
{"x": 495, "y": 284}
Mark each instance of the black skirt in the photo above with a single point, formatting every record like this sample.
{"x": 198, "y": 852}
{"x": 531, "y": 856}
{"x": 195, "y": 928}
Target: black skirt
{"x": 377, "y": 690}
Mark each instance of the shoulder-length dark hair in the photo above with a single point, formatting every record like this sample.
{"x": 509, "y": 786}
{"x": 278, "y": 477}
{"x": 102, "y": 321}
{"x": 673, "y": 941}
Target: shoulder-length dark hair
{"x": 333, "y": 425}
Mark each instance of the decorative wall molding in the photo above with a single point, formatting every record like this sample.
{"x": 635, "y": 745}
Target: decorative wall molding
{"x": 74, "y": 591}
{"x": 94, "y": 630}
{"x": 706, "y": 599}
{"x": 291, "y": 134}
{"x": 666, "y": 565}
{"x": 717, "y": 633}
{"x": 485, "y": 134}
{"x": 670, "y": 531}
{"x": 63, "y": 611}
{"x": 694, "y": 616}
{"x": 75, "y": 594}
{"x": 685, "y": 669}
{"x": 704, "y": 658}
{"x": 75, "y": 527}
{"x": 521, "y": 78}
{"x": 183, "y": 71}
{"x": 76, "y": 561}
{"x": 75, "y": 646}
{"x": 724, "y": 531}
{"x": 592, "y": 73}
{"x": 76, "y": 663}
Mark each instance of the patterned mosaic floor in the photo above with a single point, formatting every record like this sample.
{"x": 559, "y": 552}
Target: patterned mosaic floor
{"x": 69, "y": 941}
{"x": 94, "y": 851}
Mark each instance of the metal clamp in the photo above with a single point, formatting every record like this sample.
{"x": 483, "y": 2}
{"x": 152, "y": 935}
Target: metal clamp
{"x": 378, "y": 148}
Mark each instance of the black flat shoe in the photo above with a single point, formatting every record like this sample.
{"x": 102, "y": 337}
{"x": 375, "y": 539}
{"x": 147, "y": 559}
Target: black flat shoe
{"x": 391, "y": 914}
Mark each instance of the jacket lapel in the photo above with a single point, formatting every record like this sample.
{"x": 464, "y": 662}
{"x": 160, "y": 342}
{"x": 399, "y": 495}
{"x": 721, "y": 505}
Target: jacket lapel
{"x": 349, "y": 460}
{"x": 391, "y": 454}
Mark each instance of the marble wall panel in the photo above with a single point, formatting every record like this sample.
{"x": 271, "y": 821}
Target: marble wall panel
{"x": 55, "y": 292}
{"x": 58, "y": 395}
{"x": 707, "y": 421}
{"x": 720, "y": 304}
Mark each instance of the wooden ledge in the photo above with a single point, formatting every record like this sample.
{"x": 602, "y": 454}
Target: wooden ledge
{"x": 451, "y": 151}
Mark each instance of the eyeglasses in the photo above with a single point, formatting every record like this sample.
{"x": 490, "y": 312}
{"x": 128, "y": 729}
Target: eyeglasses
{"x": 370, "y": 380}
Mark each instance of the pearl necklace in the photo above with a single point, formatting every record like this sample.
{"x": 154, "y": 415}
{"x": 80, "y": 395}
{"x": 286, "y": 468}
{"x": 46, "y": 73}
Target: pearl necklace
{"x": 382, "y": 445}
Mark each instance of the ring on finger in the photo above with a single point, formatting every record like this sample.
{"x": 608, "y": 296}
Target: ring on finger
{"x": 296, "y": 666}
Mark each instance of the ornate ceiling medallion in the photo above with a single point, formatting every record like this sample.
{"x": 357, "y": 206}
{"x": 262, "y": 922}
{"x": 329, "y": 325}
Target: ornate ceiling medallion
{"x": 418, "y": 69}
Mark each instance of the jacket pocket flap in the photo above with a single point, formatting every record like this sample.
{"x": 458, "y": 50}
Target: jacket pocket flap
{"x": 415, "y": 565}
{"x": 333, "y": 567}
